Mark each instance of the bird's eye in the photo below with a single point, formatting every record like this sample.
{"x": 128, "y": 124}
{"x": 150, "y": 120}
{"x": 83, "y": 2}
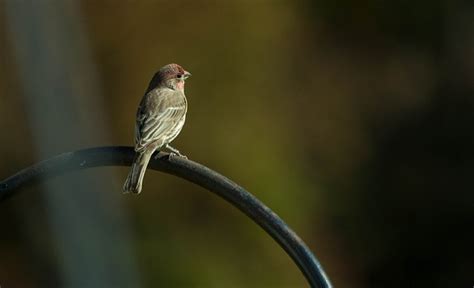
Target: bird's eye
{"x": 179, "y": 75}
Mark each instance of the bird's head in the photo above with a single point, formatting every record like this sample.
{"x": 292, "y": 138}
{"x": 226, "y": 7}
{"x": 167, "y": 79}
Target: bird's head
{"x": 171, "y": 76}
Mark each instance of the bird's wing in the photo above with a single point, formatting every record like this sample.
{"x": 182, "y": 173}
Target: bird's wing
{"x": 158, "y": 114}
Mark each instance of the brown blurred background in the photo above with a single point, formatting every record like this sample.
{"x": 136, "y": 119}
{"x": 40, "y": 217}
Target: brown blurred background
{"x": 353, "y": 120}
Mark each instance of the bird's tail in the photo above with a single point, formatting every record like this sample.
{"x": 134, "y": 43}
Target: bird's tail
{"x": 134, "y": 180}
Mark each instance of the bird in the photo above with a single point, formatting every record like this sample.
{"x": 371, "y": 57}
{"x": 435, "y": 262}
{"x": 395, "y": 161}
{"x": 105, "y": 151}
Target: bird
{"x": 159, "y": 119}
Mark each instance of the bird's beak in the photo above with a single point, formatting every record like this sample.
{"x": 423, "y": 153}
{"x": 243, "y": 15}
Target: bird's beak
{"x": 186, "y": 75}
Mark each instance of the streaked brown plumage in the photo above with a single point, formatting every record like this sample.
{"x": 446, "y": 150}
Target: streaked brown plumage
{"x": 160, "y": 118}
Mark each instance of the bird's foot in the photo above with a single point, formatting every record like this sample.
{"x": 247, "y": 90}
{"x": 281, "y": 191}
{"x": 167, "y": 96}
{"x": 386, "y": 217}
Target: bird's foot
{"x": 175, "y": 152}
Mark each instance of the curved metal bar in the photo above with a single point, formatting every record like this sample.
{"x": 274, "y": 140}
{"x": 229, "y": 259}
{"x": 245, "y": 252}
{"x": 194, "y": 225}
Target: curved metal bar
{"x": 191, "y": 171}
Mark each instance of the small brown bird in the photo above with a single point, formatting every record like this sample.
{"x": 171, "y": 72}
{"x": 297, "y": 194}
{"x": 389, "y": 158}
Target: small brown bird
{"x": 160, "y": 118}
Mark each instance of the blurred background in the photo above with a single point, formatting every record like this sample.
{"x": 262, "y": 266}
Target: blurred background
{"x": 352, "y": 120}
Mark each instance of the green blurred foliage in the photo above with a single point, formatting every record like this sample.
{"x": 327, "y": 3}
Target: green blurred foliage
{"x": 352, "y": 120}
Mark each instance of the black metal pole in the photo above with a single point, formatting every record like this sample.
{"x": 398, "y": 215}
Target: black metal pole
{"x": 191, "y": 171}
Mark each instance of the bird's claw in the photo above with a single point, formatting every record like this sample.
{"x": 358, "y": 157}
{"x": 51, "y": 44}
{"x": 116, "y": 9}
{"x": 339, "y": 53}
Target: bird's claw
{"x": 174, "y": 152}
{"x": 177, "y": 154}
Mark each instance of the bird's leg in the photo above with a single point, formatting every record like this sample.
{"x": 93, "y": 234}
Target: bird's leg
{"x": 174, "y": 151}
